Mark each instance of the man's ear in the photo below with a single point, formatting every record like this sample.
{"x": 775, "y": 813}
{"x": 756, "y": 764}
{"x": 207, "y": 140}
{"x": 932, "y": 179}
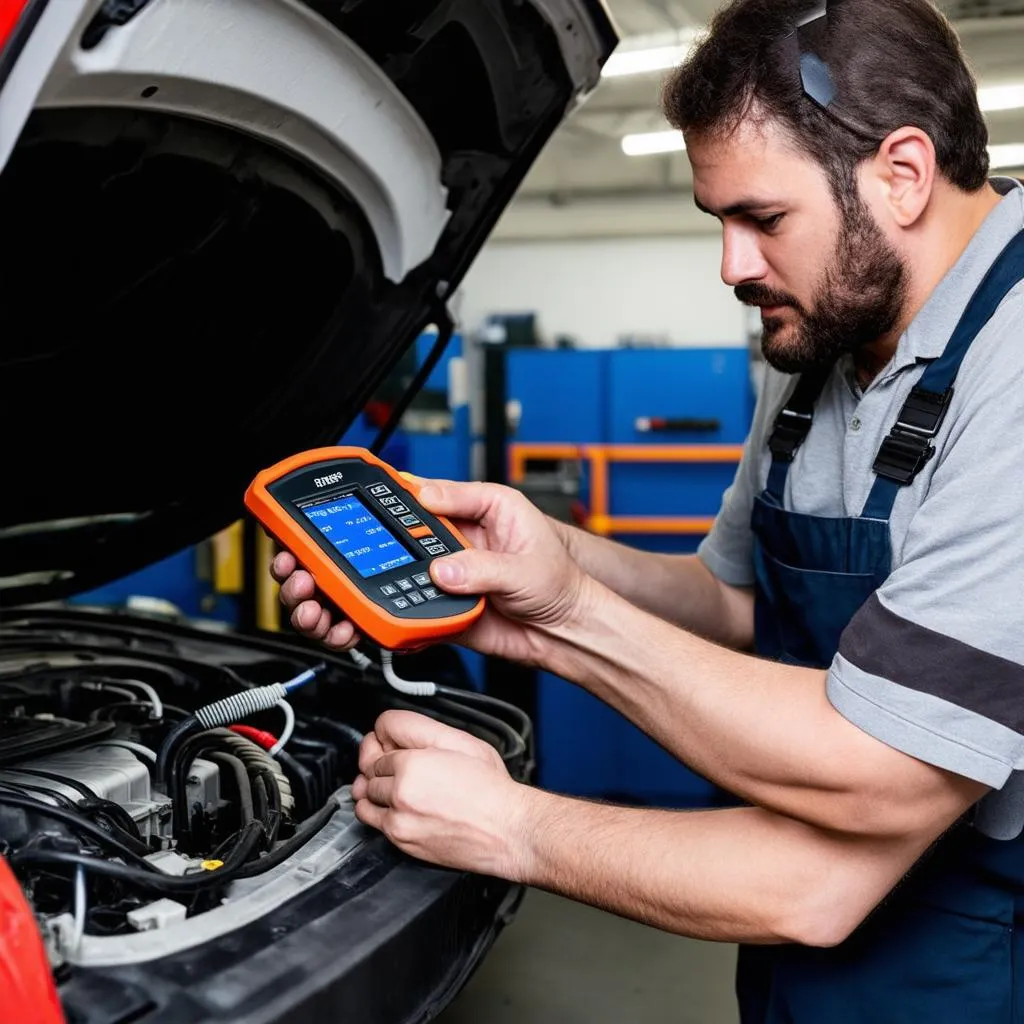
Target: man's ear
{"x": 903, "y": 175}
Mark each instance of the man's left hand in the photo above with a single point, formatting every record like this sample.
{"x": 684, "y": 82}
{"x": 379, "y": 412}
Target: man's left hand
{"x": 441, "y": 795}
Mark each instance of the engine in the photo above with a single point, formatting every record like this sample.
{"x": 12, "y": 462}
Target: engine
{"x": 121, "y": 812}
{"x": 164, "y": 784}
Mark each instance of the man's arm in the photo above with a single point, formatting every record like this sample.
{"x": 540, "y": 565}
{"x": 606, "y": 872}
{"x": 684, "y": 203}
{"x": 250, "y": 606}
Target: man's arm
{"x": 740, "y": 875}
{"x": 760, "y": 729}
{"x": 737, "y": 875}
{"x": 677, "y": 588}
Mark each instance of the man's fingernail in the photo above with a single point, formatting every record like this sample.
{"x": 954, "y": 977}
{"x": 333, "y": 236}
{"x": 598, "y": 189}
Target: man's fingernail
{"x": 429, "y": 494}
{"x": 448, "y": 572}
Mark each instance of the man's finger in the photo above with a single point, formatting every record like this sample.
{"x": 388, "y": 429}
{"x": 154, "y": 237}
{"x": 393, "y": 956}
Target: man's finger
{"x": 409, "y": 730}
{"x": 370, "y": 814}
{"x": 359, "y": 788}
{"x": 478, "y": 571}
{"x": 297, "y": 587}
{"x": 283, "y": 565}
{"x": 341, "y": 636}
{"x": 369, "y": 752}
{"x": 380, "y": 790}
{"x": 461, "y": 500}
{"x": 312, "y": 620}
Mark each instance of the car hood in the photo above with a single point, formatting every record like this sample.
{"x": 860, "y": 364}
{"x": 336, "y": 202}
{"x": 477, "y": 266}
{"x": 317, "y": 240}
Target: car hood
{"x": 225, "y": 221}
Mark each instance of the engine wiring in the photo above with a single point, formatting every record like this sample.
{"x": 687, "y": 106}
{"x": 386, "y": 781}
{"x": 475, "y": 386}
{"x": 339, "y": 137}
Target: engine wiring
{"x": 271, "y": 793}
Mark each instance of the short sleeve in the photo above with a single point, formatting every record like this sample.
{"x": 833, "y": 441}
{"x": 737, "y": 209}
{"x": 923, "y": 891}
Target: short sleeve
{"x": 933, "y": 663}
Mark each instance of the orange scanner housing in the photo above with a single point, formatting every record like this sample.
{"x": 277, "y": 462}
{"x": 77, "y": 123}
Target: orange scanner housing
{"x": 277, "y": 498}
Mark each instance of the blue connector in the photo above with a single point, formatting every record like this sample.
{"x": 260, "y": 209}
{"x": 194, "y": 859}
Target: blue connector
{"x": 304, "y": 677}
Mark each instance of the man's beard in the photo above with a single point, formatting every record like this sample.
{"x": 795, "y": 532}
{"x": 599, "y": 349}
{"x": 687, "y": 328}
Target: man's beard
{"x": 860, "y": 298}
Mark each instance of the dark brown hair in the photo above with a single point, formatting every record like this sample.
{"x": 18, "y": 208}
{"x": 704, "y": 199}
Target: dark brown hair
{"x": 893, "y": 63}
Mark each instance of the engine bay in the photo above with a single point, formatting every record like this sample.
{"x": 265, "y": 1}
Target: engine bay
{"x": 138, "y": 830}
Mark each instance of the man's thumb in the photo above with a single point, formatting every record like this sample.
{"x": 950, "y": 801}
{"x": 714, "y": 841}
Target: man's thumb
{"x": 473, "y": 572}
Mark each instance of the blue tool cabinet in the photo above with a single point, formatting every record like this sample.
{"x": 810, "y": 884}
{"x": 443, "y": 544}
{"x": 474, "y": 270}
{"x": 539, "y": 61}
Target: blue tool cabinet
{"x": 596, "y": 397}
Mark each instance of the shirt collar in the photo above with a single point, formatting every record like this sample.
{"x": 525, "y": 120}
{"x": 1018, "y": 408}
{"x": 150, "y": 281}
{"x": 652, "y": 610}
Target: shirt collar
{"x": 927, "y": 335}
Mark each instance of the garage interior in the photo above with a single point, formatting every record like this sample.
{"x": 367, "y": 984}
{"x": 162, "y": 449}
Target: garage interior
{"x": 599, "y": 365}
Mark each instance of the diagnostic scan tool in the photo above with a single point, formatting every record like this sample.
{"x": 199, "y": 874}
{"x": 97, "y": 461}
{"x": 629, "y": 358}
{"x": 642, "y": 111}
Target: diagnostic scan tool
{"x": 355, "y": 525}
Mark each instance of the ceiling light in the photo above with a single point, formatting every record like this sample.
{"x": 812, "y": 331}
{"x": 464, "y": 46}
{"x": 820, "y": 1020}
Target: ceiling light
{"x": 641, "y": 55}
{"x": 1001, "y": 97}
{"x": 1006, "y": 156}
{"x": 648, "y": 143}
{"x": 638, "y": 62}
{"x": 652, "y": 143}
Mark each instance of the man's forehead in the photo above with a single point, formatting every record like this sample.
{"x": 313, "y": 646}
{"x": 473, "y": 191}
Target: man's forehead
{"x": 753, "y": 167}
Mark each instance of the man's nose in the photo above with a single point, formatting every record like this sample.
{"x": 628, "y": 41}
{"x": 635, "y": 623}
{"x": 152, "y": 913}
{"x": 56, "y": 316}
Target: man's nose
{"x": 742, "y": 261}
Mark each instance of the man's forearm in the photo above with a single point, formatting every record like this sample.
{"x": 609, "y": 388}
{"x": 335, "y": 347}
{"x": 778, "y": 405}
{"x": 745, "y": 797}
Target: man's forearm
{"x": 760, "y": 729}
{"x": 737, "y": 875}
{"x": 677, "y": 588}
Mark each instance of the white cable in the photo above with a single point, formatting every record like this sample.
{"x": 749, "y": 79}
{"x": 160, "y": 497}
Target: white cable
{"x": 154, "y": 697}
{"x": 240, "y": 705}
{"x": 360, "y": 659}
{"x": 118, "y": 691}
{"x": 80, "y": 898}
{"x": 404, "y": 685}
{"x": 154, "y": 701}
{"x": 289, "y": 727}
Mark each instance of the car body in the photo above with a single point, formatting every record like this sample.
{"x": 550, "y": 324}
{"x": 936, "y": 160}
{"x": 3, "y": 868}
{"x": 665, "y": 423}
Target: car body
{"x": 226, "y": 221}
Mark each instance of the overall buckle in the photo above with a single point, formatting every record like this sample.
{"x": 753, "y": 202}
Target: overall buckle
{"x": 790, "y": 431}
{"x": 907, "y": 449}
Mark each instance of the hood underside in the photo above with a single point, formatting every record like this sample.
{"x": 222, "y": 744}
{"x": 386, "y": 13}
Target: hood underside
{"x": 226, "y": 220}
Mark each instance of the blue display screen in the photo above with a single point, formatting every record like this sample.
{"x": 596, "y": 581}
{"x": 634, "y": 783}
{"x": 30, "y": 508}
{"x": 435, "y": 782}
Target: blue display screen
{"x": 358, "y": 536}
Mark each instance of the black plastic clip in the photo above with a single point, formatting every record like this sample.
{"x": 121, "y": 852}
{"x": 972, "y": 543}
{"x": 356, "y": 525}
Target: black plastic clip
{"x": 790, "y": 431}
{"x": 906, "y": 450}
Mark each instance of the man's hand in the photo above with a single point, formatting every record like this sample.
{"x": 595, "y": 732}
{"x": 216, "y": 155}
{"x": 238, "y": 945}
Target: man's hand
{"x": 441, "y": 795}
{"x": 517, "y": 558}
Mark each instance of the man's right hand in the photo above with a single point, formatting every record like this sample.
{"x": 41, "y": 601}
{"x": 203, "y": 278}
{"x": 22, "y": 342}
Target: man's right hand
{"x": 517, "y": 559}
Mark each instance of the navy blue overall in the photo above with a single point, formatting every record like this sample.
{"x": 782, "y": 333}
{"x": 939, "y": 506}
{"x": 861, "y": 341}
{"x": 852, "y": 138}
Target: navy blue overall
{"x": 947, "y": 946}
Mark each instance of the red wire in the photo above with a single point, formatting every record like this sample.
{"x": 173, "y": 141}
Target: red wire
{"x": 265, "y": 739}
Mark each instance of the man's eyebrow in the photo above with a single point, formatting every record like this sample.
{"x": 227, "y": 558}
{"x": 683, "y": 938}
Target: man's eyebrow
{"x": 740, "y": 208}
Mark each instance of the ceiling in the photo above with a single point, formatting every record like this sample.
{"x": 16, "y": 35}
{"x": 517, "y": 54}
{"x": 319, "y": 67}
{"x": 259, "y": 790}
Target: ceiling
{"x": 584, "y": 185}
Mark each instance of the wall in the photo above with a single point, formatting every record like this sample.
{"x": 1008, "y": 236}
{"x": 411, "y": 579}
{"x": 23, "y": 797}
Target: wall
{"x": 598, "y": 290}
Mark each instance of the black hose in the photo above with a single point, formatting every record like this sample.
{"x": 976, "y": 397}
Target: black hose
{"x": 235, "y": 766}
{"x": 181, "y": 731}
{"x": 302, "y": 779}
{"x": 515, "y": 745}
{"x": 154, "y": 880}
{"x": 303, "y": 834}
{"x": 274, "y": 802}
{"x": 260, "y": 803}
{"x": 486, "y": 700}
{"x": 78, "y": 823}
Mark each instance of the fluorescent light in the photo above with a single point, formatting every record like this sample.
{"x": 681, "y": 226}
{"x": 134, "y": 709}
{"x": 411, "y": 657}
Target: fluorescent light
{"x": 641, "y": 55}
{"x": 651, "y": 143}
{"x": 1001, "y": 97}
{"x": 638, "y": 62}
{"x": 648, "y": 143}
{"x": 1006, "y": 156}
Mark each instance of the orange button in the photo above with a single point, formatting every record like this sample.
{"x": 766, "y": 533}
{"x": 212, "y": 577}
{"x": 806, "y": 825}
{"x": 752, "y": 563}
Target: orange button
{"x": 420, "y": 531}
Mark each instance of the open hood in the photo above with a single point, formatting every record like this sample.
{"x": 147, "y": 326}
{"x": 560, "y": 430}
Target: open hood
{"x": 224, "y": 222}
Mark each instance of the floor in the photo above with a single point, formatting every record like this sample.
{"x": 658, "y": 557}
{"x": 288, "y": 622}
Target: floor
{"x": 564, "y": 962}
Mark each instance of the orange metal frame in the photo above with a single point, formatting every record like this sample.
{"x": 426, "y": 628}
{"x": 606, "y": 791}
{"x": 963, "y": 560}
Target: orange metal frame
{"x": 601, "y": 456}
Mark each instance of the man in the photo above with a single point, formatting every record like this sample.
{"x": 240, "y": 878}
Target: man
{"x": 870, "y": 554}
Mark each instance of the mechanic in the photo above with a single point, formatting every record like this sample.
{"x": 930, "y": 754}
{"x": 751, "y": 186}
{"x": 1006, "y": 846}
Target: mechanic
{"x": 845, "y": 652}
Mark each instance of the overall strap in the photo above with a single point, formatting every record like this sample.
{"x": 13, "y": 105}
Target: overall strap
{"x": 792, "y": 426}
{"x": 908, "y": 447}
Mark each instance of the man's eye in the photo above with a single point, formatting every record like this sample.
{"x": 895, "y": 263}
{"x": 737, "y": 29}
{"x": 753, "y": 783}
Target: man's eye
{"x": 770, "y": 223}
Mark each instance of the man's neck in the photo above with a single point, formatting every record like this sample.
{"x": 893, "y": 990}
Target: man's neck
{"x": 932, "y": 251}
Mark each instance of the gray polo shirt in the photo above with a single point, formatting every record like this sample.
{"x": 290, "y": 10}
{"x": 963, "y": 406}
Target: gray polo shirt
{"x": 933, "y": 663}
